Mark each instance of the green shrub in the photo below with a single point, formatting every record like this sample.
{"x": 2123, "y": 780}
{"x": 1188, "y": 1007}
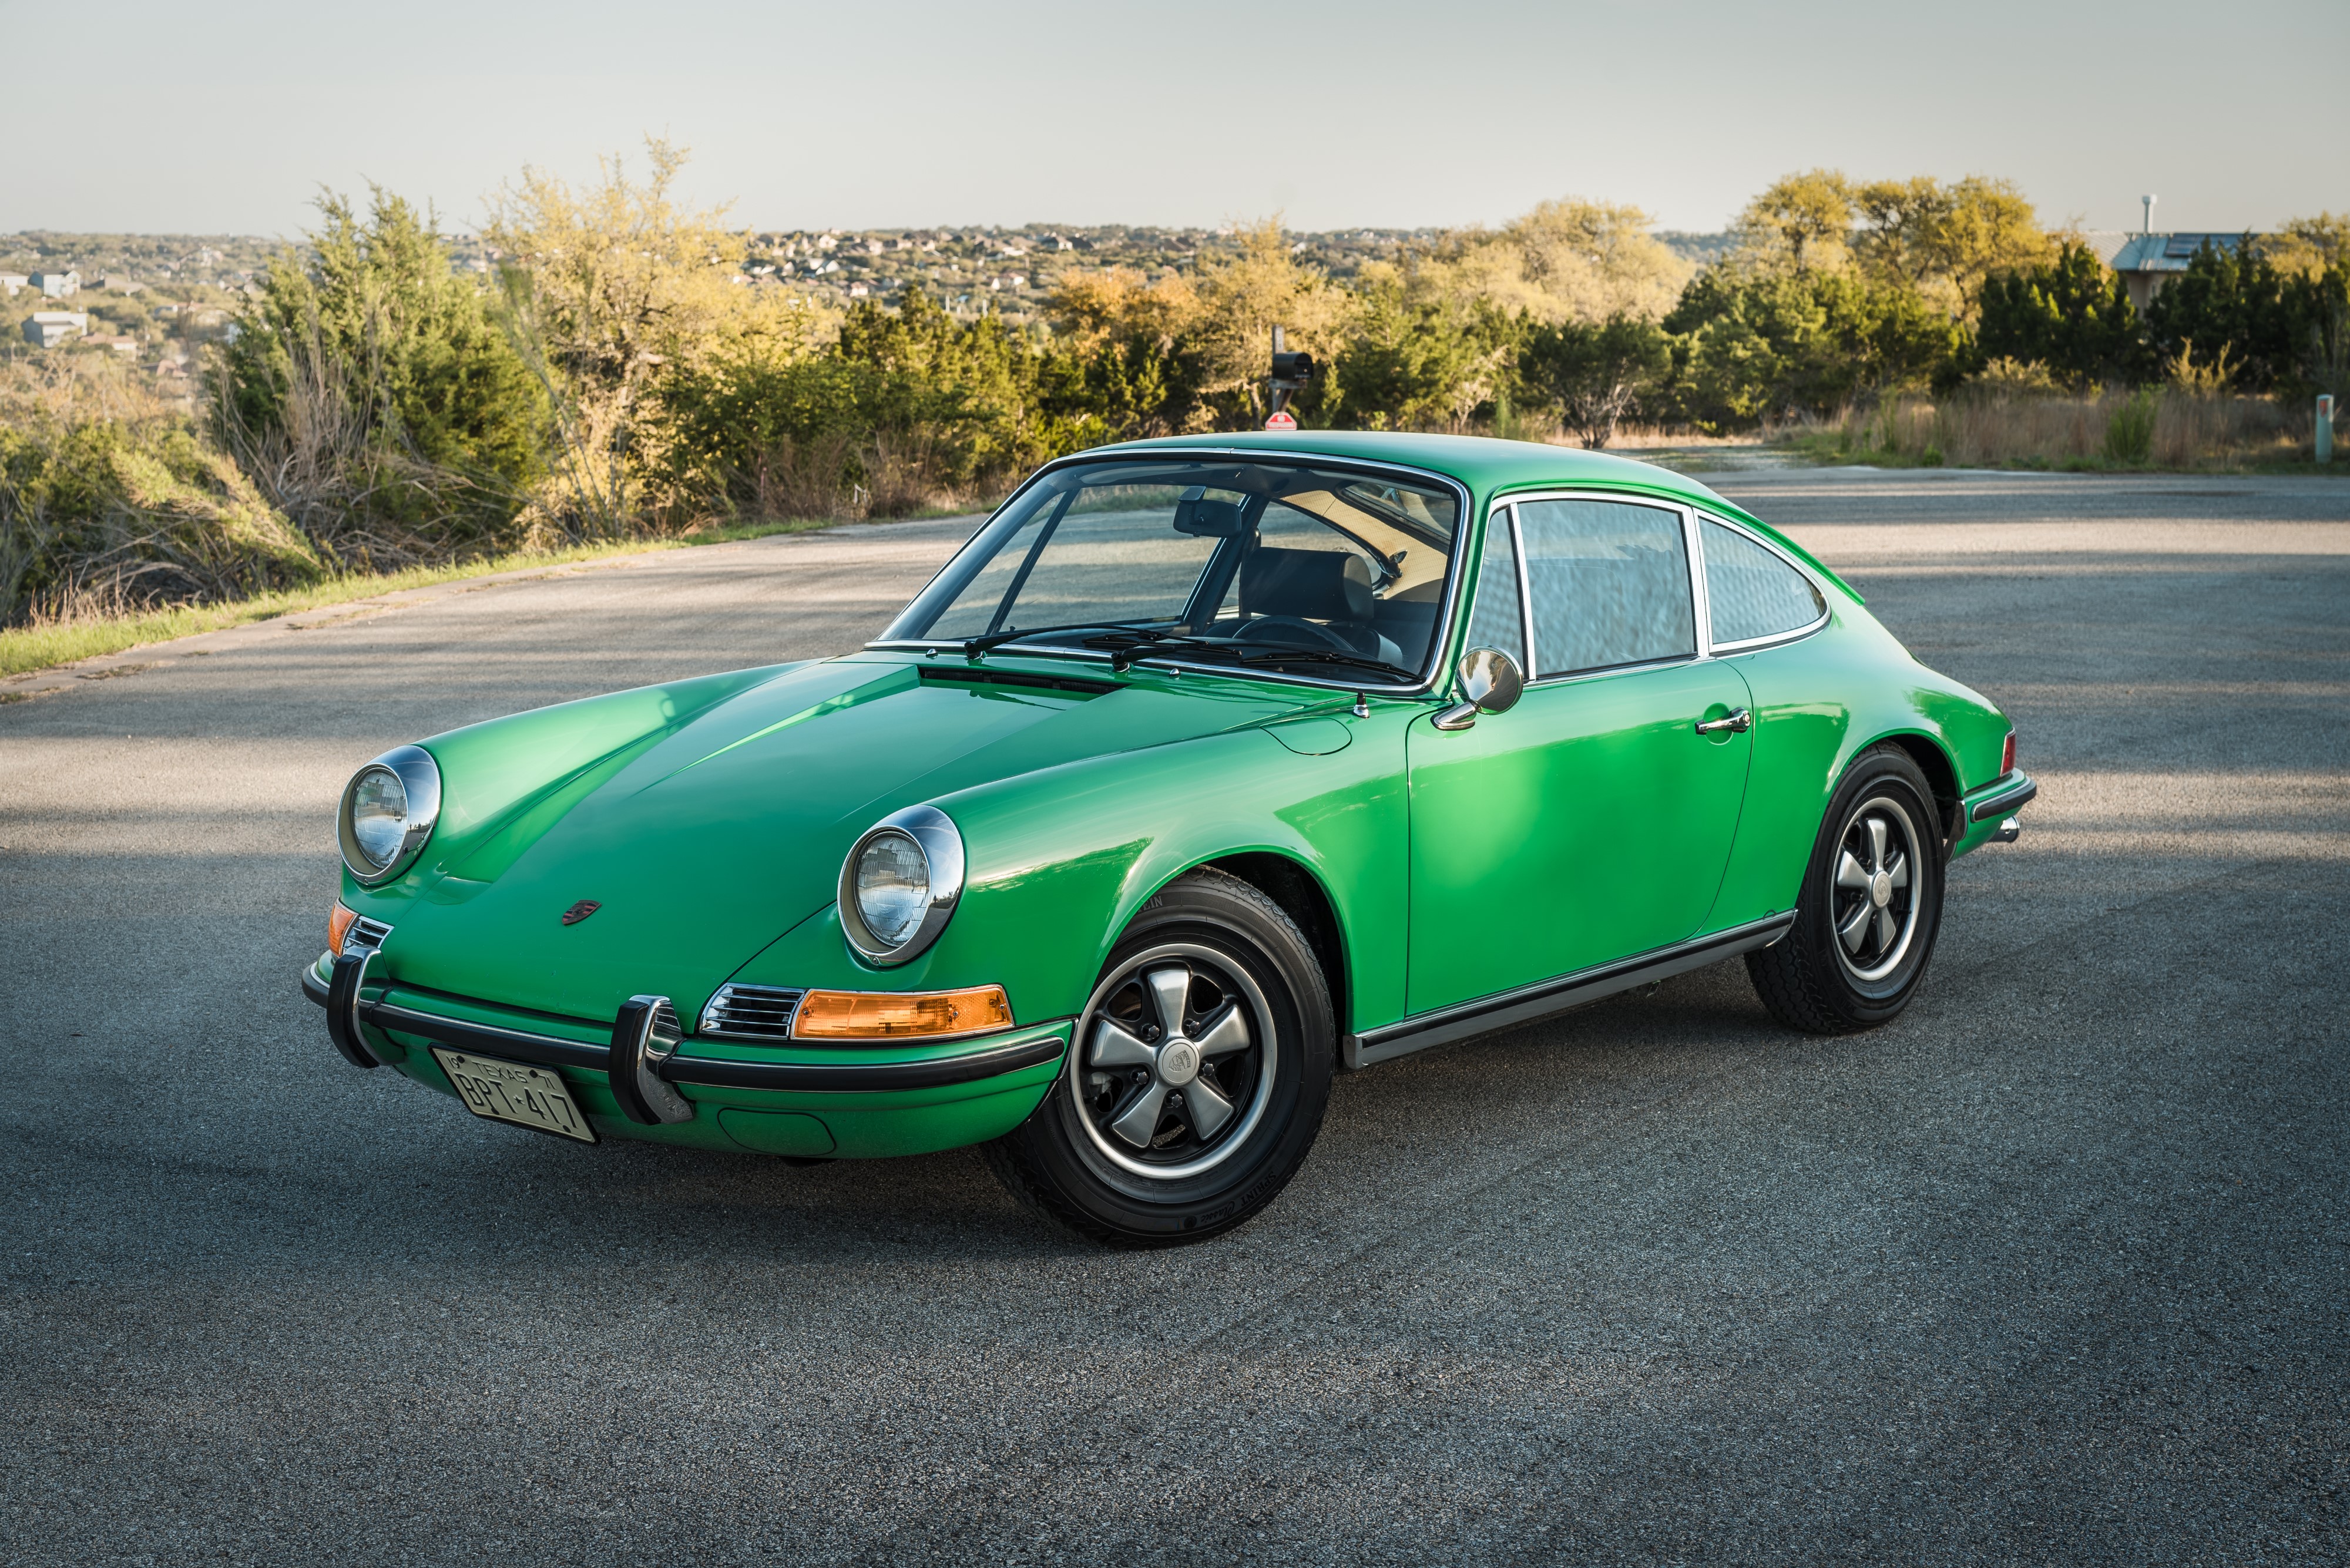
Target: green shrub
{"x": 375, "y": 398}
{"x": 107, "y": 514}
{"x": 2130, "y": 434}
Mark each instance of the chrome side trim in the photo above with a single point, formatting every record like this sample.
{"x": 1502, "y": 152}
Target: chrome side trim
{"x": 2005, "y": 801}
{"x": 1527, "y": 1004}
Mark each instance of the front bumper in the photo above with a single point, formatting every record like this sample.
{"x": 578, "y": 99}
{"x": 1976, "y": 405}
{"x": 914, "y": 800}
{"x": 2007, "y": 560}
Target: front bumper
{"x": 866, "y": 1101}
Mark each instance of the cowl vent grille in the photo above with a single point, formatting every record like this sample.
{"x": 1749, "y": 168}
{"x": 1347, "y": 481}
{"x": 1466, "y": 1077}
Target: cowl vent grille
{"x": 751, "y": 1013}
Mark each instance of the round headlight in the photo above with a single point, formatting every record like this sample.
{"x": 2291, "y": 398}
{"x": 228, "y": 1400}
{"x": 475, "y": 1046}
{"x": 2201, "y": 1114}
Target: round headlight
{"x": 899, "y": 884}
{"x": 378, "y": 816}
{"x": 893, "y": 887}
{"x": 389, "y": 810}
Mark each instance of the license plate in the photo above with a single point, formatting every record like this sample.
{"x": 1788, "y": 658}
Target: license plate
{"x": 512, "y": 1092}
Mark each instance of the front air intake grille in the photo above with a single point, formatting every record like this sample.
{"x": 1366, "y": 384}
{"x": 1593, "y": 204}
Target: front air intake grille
{"x": 365, "y": 934}
{"x": 751, "y": 1013}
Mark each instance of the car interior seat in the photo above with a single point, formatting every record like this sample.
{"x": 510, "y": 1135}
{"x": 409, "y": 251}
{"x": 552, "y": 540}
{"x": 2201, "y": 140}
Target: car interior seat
{"x": 1329, "y": 588}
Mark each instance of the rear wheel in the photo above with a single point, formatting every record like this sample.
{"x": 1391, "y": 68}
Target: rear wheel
{"x": 1870, "y": 908}
{"x": 1197, "y": 1078}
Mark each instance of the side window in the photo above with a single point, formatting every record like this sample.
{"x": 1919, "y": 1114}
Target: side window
{"x": 1611, "y": 582}
{"x": 1495, "y": 620}
{"x": 1752, "y": 592}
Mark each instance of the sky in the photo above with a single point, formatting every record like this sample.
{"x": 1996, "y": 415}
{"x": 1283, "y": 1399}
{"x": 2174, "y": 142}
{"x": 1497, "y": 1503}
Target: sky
{"x": 229, "y": 117}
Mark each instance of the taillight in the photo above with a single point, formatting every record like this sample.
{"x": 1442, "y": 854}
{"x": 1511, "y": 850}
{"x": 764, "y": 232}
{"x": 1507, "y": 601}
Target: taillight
{"x": 338, "y": 925}
{"x": 2007, "y": 755}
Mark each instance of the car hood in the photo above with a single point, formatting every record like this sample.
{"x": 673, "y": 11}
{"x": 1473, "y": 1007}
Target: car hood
{"x": 703, "y": 839}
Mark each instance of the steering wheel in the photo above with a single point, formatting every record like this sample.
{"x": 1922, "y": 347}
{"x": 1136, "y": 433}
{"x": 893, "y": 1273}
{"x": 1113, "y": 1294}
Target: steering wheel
{"x": 1275, "y": 627}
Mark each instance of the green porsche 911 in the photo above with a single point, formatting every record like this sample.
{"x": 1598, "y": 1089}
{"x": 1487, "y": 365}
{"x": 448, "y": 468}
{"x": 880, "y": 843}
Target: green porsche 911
{"x": 1209, "y": 767}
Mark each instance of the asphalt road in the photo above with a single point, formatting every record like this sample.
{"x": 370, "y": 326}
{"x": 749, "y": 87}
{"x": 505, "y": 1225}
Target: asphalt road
{"x": 2056, "y": 1269}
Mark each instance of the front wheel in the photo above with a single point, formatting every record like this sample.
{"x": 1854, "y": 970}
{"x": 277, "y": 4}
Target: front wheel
{"x": 1196, "y": 1078}
{"x": 1870, "y": 908}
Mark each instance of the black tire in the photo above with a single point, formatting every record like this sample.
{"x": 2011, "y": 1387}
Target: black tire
{"x": 1240, "y": 957}
{"x": 1822, "y": 979}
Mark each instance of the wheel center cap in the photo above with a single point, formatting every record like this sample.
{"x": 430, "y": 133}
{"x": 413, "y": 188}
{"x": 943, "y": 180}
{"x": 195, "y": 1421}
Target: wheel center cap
{"x": 1880, "y": 888}
{"x": 1178, "y": 1062}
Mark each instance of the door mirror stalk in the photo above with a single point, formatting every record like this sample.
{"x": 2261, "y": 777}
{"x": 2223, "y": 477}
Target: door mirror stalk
{"x": 1490, "y": 682}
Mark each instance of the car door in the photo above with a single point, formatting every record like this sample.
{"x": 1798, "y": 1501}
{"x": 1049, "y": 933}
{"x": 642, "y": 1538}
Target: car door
{"x": 1593, "y": 820}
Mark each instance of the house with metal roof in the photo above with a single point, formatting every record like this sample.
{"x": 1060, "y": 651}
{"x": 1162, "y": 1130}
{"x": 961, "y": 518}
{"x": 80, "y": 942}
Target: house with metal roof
{"x": 2146, "y": 262}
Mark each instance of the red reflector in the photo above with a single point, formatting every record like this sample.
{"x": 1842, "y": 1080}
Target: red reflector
{"x": 2007, "y": 754}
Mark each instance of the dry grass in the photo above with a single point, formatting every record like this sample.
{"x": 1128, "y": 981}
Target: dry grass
{"x": 2025, "y": 428}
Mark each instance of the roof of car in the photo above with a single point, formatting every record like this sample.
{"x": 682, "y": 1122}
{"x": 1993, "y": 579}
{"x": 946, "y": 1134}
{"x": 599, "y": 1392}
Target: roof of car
{"x": 1484, "y": 463}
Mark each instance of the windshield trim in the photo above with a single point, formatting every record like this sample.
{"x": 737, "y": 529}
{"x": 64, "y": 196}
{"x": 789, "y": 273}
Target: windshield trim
{"x": 1432, "y": 673}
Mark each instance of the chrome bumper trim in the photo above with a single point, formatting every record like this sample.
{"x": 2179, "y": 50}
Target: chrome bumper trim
{"x": 847, "y": 1076}
{"x": 1528, "y": 1003}
{"x": 2009, "y": 799}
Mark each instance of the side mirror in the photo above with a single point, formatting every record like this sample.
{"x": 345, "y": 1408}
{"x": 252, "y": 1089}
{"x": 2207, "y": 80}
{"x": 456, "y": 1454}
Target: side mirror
{"x": 1490, "y": 682}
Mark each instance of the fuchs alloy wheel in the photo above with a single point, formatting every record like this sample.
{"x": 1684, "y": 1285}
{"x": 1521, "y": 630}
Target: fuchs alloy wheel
{"x": 1197, "y": 1078}
{"x": 1870, "y": 908}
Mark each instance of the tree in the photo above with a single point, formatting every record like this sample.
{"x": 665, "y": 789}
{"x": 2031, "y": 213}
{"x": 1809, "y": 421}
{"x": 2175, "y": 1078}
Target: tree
{"x": 2305, "y": 247}
{"x": 2072, "y": 314}
{"x": 1802, "y": 223}
{"x": 1596, "y": 374}
{"x": 1227, "y": 336}
{"x": 374, "y": 395}
{"x": 1417, "y": 366}
{"x": 611, "y": 289}
{"x": 1945, "y": 240}
{"x": 1565, "y": 261}
{"x": 2272, "y": 322}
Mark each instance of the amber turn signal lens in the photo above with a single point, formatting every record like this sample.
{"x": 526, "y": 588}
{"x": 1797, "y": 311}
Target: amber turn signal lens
{"x": 338, "y": 925}
{"x": 900, "y": 1015}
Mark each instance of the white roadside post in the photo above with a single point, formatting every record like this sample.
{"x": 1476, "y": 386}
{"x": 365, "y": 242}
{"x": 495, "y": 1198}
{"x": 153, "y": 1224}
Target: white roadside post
{"x": 2325, "y": 428}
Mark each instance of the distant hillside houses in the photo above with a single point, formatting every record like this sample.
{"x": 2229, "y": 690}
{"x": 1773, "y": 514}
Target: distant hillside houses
{"x": 47, "y": 328}
{"x": 56, "y": 284}
{"x": 11, "y": 282}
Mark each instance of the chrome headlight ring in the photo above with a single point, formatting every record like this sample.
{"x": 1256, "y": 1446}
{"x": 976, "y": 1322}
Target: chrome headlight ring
{"x": 931, "y": 836}
{"x": 388, "y": 811}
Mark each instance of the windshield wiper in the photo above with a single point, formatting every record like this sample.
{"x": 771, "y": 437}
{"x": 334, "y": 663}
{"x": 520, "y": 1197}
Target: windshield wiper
{"x": 1128, "y": 644}
{"x": 972, "y": 647}
{"x": 1324, "y": 656}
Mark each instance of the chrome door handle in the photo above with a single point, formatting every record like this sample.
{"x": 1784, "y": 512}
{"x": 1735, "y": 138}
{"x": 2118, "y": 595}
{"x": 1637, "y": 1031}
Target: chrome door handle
{"x": 1737, "y": 722}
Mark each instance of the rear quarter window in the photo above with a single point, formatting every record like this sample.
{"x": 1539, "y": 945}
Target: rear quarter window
{"x": 1753, "y": 593}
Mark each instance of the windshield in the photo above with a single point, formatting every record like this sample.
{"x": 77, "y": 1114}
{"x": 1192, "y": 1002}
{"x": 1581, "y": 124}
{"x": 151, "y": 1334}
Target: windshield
{"x": 1319, "y": 571}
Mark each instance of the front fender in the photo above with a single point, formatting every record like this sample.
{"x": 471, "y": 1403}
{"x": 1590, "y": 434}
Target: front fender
{"x": 1061, "y": 859}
